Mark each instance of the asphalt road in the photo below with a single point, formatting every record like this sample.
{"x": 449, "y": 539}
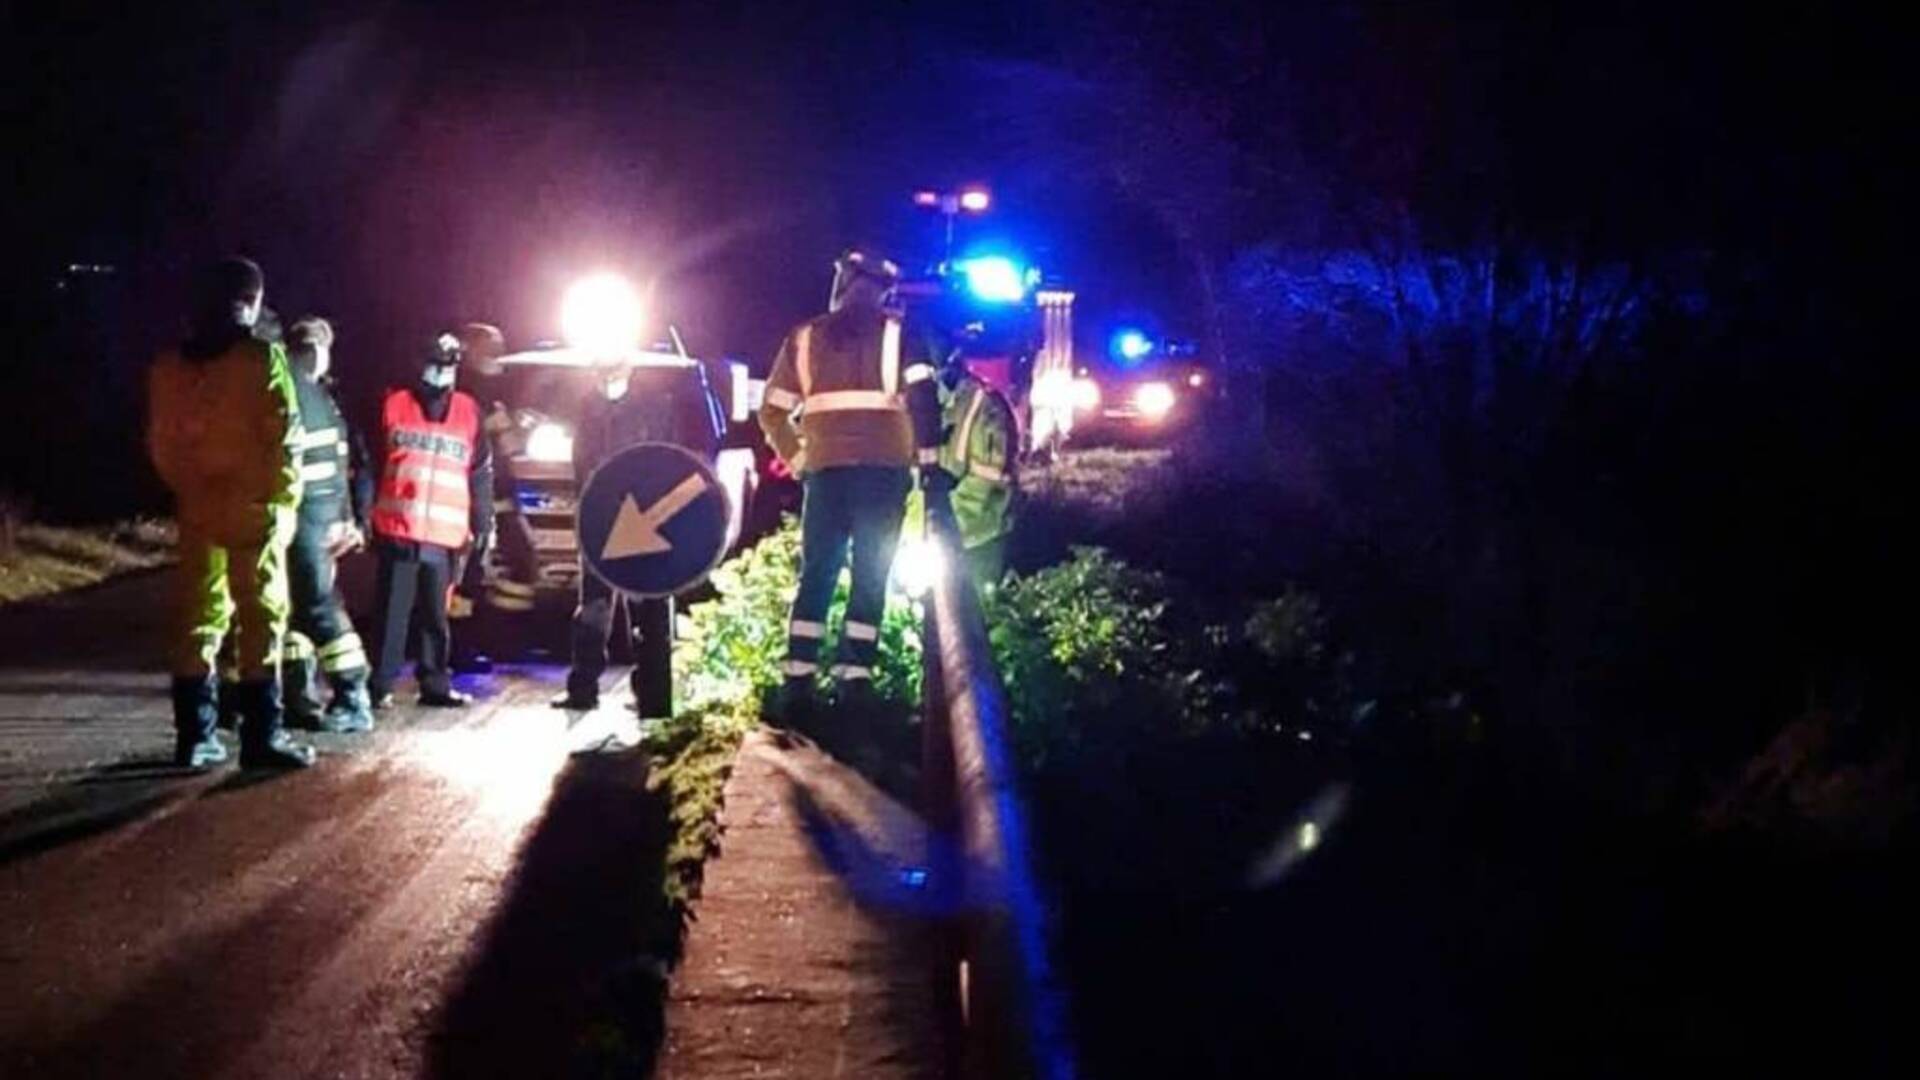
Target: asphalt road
{"x": 453, "y": 895}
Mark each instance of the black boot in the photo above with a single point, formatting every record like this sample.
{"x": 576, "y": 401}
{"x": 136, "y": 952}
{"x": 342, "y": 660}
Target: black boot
{"x": 303, "y": 707}
{"x": 263, "y": 745}
{"x": 793, "y": 706}
{"x": 583, "y": 694}
{"x": 196, "y": 744}
{"x": 351, "y": 712}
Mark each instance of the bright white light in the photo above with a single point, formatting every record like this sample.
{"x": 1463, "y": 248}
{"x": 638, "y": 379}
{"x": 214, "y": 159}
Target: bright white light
{"x": 994, "y": 278}
{"x": 1154, "y": 400}
{"x": 603, "y": 315}
{"x": 917, "y": 563}
{"x": 549, "y": 441}
{"x": 1196, "y": 379}
{"x": 975, "y": 201}
{"x": 1309, "y": 836}
{"x": 1086, "y": 394}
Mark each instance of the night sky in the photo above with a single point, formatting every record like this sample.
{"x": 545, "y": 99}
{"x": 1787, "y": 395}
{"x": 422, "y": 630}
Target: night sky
{"x": 398, "y": 167}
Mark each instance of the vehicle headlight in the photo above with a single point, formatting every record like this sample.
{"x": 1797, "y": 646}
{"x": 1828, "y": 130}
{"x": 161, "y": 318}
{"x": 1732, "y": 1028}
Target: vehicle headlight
{"x": 1154, "y": 400}
{"x": 1086, "y": 394}
{"x": 549, "y": 441}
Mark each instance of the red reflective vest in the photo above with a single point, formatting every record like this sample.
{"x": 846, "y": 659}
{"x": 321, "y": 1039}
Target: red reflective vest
{"x": 425, "y": 493}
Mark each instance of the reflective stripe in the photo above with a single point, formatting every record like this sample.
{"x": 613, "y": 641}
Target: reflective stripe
{"x": 859, "y": 631}
{"x": 509, "y": 602}
{"x": 347, "y": 642}
{"x": 987, "y": 473}
{"x": 848, "y": 400}
{"x": 296, "y": 647}
{"x": 851, "y": 672}
{"x": 890, "y": 357}
{"x": 425, "y": 474}
{"x": 316, "y": 438}
{"x": 929, "y": 455}
{"x": 795, "y": 668}
{"x": 325, "y": 470}
{"x": 344, "y": 653}
{"x": 919, "y": 373}
{"x": 803, "y": 358}
{"x": 963, "y": 435}
{"x": 446, "y": 515}
{"x": 782, "y": 399}
{"x": 511, "y": 587}
{"x": 505, "y": 506}
{"x": 806, "y": 628}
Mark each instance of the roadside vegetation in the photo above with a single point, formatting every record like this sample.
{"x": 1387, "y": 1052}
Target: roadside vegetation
{"x": 39, "y": 560}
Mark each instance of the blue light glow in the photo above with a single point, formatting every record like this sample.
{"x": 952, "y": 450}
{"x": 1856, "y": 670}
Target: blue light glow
{"x": 994, "y": 278}
{"x": 1132, "y": 345}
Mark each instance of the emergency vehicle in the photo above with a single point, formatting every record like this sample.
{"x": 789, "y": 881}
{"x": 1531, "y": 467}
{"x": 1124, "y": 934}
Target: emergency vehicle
{"x": 530, "y": 397}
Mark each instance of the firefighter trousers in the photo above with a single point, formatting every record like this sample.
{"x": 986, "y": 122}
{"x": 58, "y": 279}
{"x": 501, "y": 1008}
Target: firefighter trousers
{"x": 411, "y": 593}
{"x": 855, "y": 511}
{"x": 221, "y": 589}
{"x": 318, "y": 612}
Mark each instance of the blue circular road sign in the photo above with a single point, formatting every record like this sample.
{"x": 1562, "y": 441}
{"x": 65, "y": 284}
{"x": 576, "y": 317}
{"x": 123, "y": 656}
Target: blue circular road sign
{"x": 652, "y": 520}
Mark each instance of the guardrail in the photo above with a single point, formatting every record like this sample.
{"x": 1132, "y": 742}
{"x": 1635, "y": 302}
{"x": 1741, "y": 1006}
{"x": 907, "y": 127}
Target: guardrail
{"x": 997, "y": 976}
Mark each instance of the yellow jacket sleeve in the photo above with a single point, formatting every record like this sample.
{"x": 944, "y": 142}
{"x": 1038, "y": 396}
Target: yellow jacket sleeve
{"x": 281, "y": 430}
{"x": 776, "y": 411}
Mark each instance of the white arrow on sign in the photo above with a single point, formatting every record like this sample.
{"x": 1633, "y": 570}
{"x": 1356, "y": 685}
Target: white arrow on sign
{"x": 637, "y": 532}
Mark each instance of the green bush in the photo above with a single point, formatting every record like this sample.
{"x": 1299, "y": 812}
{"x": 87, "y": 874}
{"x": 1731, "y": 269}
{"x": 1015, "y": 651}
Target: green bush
{"x": 1086, "y": 652}
{"x": 732, "y": 645}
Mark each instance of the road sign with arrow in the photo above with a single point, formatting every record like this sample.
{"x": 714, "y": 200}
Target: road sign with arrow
{"x": 653, "y": 520}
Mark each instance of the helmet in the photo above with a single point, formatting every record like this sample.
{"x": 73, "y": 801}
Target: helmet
{"x": 855, "y": 264}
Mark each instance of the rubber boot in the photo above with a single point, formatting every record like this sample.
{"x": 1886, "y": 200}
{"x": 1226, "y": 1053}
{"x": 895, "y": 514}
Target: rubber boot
{"x": 304, "y": 708}
{"x": 196, "y": 714}
{"x": 263, "y": 743}
{"x": 351, "y": 712}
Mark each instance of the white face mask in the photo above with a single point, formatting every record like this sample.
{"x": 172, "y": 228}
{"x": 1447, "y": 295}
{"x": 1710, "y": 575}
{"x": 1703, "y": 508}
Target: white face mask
{"x": 439, "y": 376}
{"x": 615, "y": 388}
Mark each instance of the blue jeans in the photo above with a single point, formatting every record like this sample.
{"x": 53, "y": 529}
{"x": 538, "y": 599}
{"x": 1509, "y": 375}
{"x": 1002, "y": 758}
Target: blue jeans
{"x": 857, "y": 507}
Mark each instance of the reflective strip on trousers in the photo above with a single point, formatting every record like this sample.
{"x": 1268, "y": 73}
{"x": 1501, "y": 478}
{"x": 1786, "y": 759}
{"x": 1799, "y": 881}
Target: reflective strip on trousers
{"x": 316, "y": 438}
{"x": 849, "y": 400}
{"x": 782, "y": 399}
{"x": 806, "y": 628}
{"x": 929, "y": 455}
{"x": 919, "y": 373}
{"x": 794, "y": 669}
{"x": 859, "y": 631}
{"x": 851, "y": 672}
{"x": 325, "y": 470}
{"x": 344, "y": 653}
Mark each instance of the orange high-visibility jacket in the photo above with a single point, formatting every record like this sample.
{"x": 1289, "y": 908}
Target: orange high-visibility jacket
{"x": 224, "y": 433}
{"x": 425, "y": 495}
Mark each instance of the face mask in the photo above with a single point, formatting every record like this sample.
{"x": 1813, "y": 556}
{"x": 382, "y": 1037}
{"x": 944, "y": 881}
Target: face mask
{"x": 615, "y": 389}
{"x": 438, "y": 376}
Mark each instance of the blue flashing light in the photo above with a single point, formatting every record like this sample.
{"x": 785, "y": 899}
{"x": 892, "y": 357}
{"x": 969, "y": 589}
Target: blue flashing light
{"x": 1132, "y": 346}
{"x": 994, "y": 278}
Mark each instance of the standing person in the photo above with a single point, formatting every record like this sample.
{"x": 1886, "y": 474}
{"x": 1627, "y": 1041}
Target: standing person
{"x": 978, "y": 460}
{"x": 223, "y": 430}
{"x": 434, "y": 507}
{"x": 336, "y": 495}
{"x": 847, "y": 421}
{"x": 653, "y": 401}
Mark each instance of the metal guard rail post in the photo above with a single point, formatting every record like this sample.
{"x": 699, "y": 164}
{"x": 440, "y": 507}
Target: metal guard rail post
{"x": 1013, "y": 1016}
